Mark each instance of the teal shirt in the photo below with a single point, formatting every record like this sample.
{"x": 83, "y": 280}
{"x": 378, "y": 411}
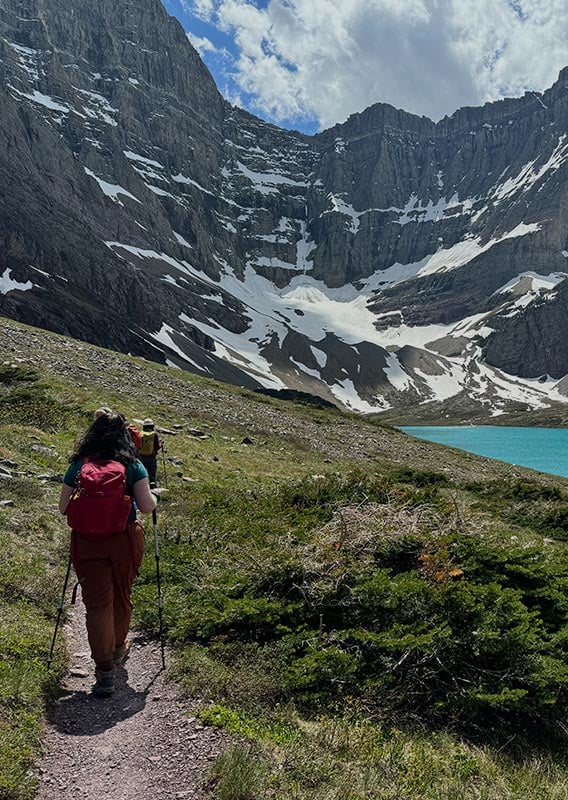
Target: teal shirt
{"x": 134, "y": 472}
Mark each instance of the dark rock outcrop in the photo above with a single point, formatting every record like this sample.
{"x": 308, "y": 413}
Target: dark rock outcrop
{"x": 141, "y": 211}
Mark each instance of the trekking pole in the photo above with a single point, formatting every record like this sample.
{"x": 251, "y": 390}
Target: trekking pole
{"x": 59, "y": 613}
{"x": 164, "y": 465}
{"x": 158, "y": 581}
{"x": 165, "y": 484}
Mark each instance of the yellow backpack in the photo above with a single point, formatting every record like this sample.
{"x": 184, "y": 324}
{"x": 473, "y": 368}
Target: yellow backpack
{"x": 147, "y": 448}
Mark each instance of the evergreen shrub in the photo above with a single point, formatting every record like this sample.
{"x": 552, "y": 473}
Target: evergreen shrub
{"x": 354, "y": 587}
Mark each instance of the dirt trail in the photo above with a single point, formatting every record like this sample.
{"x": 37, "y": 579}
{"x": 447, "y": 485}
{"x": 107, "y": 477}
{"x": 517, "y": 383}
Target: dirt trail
{"x": 140, "y": 744}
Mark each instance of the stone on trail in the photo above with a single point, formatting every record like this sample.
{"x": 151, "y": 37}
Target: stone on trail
{"x": 77, "y": 672}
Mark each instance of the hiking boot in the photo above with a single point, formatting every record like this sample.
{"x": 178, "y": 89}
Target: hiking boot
{"x": 104, "y": 685}
{"x": 121, "y": 653}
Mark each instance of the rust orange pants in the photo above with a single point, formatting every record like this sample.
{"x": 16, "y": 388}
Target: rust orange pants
{"x": 106, "y": 569}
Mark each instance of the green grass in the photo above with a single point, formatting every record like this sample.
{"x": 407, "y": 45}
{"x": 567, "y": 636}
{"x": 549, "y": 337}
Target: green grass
{"x": 350, "y": 757}
{"x": 364, "y": 629}
{"x": 239, "y": 774}
{"x": 28, "y": 600}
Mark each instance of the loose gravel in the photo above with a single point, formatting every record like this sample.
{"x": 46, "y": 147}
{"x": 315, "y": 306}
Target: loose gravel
{"x": 140, "y": 744}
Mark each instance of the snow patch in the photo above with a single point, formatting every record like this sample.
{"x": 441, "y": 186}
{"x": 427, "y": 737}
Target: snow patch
{"x": 244, "y": 349}
{"x": 443, "y": 260}
{"x": 179, "y": 178}
{"x": 303, "y": 368}
{"x": 339, "y": 206}
{"x": 528, "y": 175}
{"x": 9, "y": 284}
{"x": 182, "y": 241}
{"x": 396, "y": 374}
{"x": 442, "y": 386}
{"x": 27, "y": 59}
{"x": 98, "y": 107}
{"x": 164, "y": 336}
{"x": 158, "y": 191}
{"x": 44, "y": 100}
{"x": 539, "y": 283}
{"x": 319, "y": 356}
{"x": 142, "y": 159}
{"x": 346, "y": 393}
{"x": 111, "y": 190}
{"x": 266, "y": 182}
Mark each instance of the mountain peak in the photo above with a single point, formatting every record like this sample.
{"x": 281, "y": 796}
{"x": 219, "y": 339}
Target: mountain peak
{"x": 388, "y": 261}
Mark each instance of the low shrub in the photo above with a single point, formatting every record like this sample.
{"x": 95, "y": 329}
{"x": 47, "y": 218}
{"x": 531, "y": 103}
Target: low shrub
{"x": 514, "y": 490}
{"x": 420, "y": 477}
{"x": 11, "y": 374}
{"x": 542, "y": 508}
{"x": 385, "y": 598}
{"x": 238, "y": 774}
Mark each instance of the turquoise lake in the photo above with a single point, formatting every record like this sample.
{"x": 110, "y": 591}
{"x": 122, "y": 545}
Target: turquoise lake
{"x": 545, "y": 449}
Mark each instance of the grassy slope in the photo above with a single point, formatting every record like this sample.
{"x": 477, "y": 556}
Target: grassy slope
{"x": 248, "y": 510}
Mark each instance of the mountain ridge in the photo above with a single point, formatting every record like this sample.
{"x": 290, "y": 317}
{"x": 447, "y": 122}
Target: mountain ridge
{"x": 143, "y": 212}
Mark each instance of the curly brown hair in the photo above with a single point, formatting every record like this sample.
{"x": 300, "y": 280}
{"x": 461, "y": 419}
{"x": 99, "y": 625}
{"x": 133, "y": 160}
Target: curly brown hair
{"x": 107, "y": 437}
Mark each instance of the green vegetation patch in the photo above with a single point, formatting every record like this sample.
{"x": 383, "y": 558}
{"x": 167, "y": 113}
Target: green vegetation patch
{"x": 27, "y": 613}
{"x": 349, "y": 757}
{"x": 25, "y": 399}
{"x": 542, "y": 508}
{"x": 420, "y": 477}
{"x": 30, "y": 576}
{"x": 341, "y": 587}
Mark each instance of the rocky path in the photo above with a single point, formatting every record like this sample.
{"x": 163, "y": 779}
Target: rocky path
{"x": 140, "y": 744}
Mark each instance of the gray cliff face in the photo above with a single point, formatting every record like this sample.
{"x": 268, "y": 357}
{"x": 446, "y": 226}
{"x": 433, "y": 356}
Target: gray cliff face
{"x": 388, "y": 260}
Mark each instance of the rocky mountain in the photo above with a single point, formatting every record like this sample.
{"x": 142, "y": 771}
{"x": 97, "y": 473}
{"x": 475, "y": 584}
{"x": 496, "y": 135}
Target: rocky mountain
{"x": 386, "y": 262}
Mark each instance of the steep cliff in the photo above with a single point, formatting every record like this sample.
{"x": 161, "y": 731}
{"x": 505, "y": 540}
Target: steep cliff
{"x": 389, "y": 260}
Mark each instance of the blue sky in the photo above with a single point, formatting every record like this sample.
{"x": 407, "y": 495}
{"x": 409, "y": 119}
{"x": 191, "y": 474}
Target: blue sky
{"x": 221, "y": 63}
{"x": 308, "y": 64}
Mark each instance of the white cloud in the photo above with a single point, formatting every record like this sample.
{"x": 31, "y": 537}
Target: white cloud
{"x": 330, "y": 58}
{"x": 201, "y": 43}
{"x": 201, "y": 8}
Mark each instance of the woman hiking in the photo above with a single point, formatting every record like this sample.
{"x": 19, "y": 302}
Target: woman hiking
{"x": 102, "y": 487}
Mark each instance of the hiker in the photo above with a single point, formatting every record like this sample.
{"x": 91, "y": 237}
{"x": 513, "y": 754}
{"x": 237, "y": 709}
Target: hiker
{"x": 149, "y": 449}
{"x": 107, "y": 541}
{"x": 135, "y": 434}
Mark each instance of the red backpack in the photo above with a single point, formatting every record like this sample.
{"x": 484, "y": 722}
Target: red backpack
{"x": 99, "y": 505}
